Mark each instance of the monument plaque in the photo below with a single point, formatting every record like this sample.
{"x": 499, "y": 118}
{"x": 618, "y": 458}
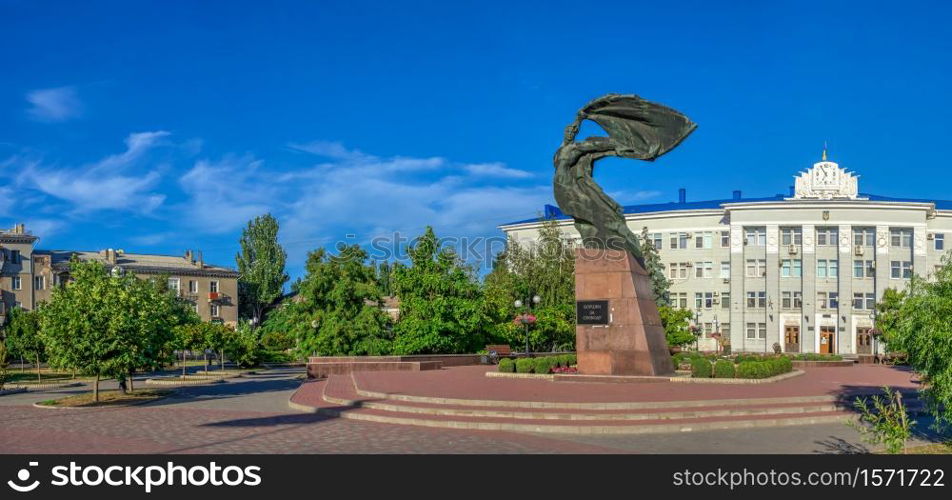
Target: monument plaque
{"x": 591, "y": 312}
{"x": 610, "y": 279}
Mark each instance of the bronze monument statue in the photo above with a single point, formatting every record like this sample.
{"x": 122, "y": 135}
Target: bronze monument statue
{"x": 618, "y": 329}
{"x": 637, "y": 129}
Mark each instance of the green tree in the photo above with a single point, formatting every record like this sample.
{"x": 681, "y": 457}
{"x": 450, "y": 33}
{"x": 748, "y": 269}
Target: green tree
{"x": 677, "y": 328}
{"x": 244, "y": 345}
{"x": 261, "y": 266}
{"x": 3, "y": 363}
{"x": 920, "y": 327}
{"x": 546, "y": 269}
{"x": 338, "y": 309}
{"x": 655, "y": 269}
{"x": 23, "y": 335}
{"x": 108, "y": 325}
{"x": 441, "y": 310}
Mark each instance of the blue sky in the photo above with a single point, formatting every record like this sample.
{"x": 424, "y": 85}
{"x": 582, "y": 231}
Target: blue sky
{"x": 160, "y": 126}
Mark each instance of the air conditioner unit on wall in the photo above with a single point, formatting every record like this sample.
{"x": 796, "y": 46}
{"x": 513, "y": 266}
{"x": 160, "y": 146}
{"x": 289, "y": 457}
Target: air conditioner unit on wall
{"x": 792, "y": 249}
{"x": 930, "y": 236}
{"x": 727, "y": 280}
{"x": 859, "y": 250}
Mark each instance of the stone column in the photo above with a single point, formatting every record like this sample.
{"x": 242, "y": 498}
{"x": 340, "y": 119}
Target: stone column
{"x": 809, "y": 330}
{"x": 846, "y": 340}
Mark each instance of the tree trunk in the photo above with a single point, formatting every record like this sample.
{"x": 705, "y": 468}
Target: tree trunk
{"x": 96, "y": 389}
{"x": 184, "y": 363}
{"x": 221, "y": 360}
{"x": 131, "y": 386}
{"x": 39, "y": 379}
{"x": 206, "y": 359}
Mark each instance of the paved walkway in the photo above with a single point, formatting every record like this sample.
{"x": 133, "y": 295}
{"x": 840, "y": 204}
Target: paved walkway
{"x": 250, "y": 415}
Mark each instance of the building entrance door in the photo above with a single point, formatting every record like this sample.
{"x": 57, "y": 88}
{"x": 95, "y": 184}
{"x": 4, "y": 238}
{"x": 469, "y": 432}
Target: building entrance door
{"x": 791, "y": 339}
{"x": 864, "y": 340}
{"x": 827, "y": 338}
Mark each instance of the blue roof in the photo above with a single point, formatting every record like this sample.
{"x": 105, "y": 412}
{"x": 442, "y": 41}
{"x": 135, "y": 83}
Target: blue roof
{"x": 553, "y": 212}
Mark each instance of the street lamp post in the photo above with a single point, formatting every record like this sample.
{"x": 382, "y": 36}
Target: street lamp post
{"x": 525, "y": 321}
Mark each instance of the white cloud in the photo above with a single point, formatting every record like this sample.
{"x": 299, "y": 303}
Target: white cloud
{"x": 224, "y": 195}
{"x": 103, "y": 185}
{"x": 54, "y": 105}
{"x": 630, "y": 197}
{"x": 496, "y": 170}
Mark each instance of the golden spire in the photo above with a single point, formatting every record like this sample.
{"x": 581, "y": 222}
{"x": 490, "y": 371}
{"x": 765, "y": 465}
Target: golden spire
{"x": 824, "y": 151}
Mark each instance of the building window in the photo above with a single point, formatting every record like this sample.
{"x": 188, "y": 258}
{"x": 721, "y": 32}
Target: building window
{"x": 213, "y": 310}
{"x": 679, "y": 270}
{"x": 725, "y": 239}
{"x": 757, "y": 331}
{"x": 703, "y": 269}
{"x": 39, "y": 282}
{"x": 725, "y": 300}
{"x": 900, "y": 237}
{"x": 791, "y": 236}
{"x": 756, "y": 268}
{"x": 827, "y": 300}
{"x": 864, "y": 236}
{"x": 192, "y": 286}
{"x": 756, "y": 300}
{"x": 726, "y": 330}
{"x": 790, "y": 268}
{"x": 656, "y": 240}
{"x": 826, "y": 236}
{"x": 900, "y": 269}
{"x": 16, "y": 284}
{"x": 791, "y": 300}
{"x": 679, "y": 240}
{"x": 174, "y": 285}
{"x": 725, "y": 270}
{"x": 864, "y": 301}
{"x": 863, "y": 269}
{"x": 679, "y": 300}
{"x": 704, "y": 240}
{"x": 756, "y": 236}
{"x": 14, "y": 256}
{"x": 213, "y": 286}
{"x": 939, "y": 240}
{"x": 827, "y": 268}
{"x": 703, "y": 299}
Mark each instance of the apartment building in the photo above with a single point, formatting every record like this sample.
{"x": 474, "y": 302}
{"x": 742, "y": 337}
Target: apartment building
{"x": 802, "y": 270}
{"x": 28, "y": 275}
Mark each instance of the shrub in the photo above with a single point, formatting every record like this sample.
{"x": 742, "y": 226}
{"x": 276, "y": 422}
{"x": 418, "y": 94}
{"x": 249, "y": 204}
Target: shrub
{"x": 885, "y": 421}
{"x": 765, "y": 367}
{"x": 506, "y": 365}
{"x": 724, "y": 369}
{"x": 543, "y": 365}
{"x": 525, "y": 365}
{"x": 563, "y": 360}
{"x": 572, "y": 359}
{"x": 700, "y": 368}
{"x": 812, "y": 356}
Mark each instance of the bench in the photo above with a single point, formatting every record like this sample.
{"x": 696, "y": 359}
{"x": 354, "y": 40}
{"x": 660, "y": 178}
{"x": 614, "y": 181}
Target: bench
{"x": 498, "y": 351}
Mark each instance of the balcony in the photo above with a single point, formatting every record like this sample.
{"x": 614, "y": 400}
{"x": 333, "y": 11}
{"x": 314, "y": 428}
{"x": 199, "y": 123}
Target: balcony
{"x": 213, "y": 296}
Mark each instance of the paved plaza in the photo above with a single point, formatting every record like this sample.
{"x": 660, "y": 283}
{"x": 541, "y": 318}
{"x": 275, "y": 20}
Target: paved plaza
{"x": 251, "y": 415}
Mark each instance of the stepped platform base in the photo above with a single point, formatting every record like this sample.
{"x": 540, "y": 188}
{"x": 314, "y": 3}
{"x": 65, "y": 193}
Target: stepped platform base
{"x": 464, "y": 398}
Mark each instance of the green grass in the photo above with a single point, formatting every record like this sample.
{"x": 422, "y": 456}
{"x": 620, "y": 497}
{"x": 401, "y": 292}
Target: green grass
{"x": 16, "y": 377}
{"x": 107, "y": 398}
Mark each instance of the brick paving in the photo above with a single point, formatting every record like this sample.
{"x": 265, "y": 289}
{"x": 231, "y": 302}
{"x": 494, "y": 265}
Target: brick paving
{"x": 469, "y": 382}
{"x": 251, "y": 416}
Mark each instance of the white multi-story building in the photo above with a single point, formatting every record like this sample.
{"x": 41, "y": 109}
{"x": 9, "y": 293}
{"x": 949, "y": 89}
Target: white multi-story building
{"x": 802, "y": 270}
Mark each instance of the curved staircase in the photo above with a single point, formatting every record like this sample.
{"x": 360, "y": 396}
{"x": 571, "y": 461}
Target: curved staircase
{"x": 339, "y": 396}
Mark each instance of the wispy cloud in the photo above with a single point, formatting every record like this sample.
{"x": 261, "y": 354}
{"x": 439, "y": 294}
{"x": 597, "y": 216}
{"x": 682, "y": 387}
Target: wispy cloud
{"x": 497, "y": 170}
{"x": 105, "y": 184}
{"x": 54, "y": 105}
{"x": 225, "y": 194}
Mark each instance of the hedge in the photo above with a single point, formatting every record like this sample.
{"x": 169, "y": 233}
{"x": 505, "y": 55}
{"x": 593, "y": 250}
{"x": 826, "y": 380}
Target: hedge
{"x": 525, "y": 365}
{"x": 700, "y": 368}
{"x": 812, "y": 356}
{"x": 768, "y": 367}
{"x": 724, "y": 369}
{"x": 506, "y": 365}
{"x": 544, "y": 365}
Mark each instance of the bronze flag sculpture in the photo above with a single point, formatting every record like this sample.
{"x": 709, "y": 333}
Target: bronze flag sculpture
{"x": 637, "y": 129}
